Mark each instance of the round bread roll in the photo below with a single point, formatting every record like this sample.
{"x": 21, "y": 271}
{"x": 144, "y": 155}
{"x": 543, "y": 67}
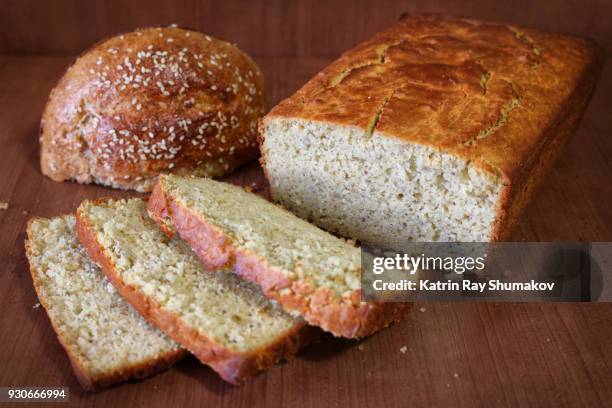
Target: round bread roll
{"x": 151, "y": 101}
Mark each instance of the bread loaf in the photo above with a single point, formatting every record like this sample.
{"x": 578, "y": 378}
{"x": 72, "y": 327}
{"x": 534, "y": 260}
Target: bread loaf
{"x": 436, "y": 129}
{"x": 224, "y": 321}
{"x": 106, "y": 339}
{"x": 304, "y": 268}
{"x": 151, "y": 101}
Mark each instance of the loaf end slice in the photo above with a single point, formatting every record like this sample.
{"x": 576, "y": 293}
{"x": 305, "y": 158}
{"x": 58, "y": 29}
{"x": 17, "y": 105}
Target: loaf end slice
{"x": 223, "y": 320}
{"x": 107, "y": 341}
{"x": 307, "y": 270}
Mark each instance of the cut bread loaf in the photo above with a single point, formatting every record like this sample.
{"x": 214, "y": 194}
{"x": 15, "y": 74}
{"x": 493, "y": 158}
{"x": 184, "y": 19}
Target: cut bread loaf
{"x": 224, "y": 321}
{"x": 306, "y": 269}
{"x": 437, "y": 129}
{"x": 107, "y": 341}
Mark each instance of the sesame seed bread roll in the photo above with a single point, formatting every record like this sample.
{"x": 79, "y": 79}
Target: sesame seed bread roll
{"x": 151, "y": 101}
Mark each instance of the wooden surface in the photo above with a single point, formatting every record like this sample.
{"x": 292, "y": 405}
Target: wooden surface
{"x": 458, "y": 354}
{"x": 494, "y": 354}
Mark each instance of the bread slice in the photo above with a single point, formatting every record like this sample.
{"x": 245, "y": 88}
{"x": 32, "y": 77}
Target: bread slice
{"x": 306, "y": 269}
{"x": 223, "y": 320}
{"x": 436, "y": 129}
{"x": 107, "y": 341}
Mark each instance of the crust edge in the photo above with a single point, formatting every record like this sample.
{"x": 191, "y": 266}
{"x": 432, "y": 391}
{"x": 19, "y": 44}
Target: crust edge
{"x": 231, "y": 366}
{"x": 320, "y": 307}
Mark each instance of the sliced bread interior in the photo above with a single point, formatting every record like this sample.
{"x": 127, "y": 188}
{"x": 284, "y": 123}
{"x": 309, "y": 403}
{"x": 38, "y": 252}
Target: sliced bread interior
{"x": 226, "y": 322}
{"x": 381, "y": 190}
{"x": 106, "y": 339}
{"x": 306, "y": 269}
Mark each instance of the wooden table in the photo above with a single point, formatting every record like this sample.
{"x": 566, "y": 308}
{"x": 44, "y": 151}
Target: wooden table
{"x": 486, "y": 354}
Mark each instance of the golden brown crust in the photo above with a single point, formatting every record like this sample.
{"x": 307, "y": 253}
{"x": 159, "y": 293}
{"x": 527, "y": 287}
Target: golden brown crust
{"x": 494, "y": 94}
{"x": 96, "y": 382}
{"x": 150, "y": 101}
{"x": 517, "y": 193}
{"x": 231, "y": 366}
{"x": 346, "y": 317}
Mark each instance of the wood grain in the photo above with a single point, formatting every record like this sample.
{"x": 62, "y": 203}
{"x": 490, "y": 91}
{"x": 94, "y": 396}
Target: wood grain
{"x": 463, "y": 354}
{"x": 307, "y": 28}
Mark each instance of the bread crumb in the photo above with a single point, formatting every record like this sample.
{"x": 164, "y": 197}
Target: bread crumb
{"x": 3, "y": 205}
{"x": 255, "y": 187}
{"x": 25, "y": 212}
{"x": 36, "y": 306}
{"x": 361, "y": 347}
{"x": 456, "y": 375}
{"x": 422, "y": 310}
{"x": 404, "y": 349}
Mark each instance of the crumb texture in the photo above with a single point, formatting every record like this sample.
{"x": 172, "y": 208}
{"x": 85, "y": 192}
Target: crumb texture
{"x": 290, "y": 245}
{"x": 308, "y": 271}
{"x": 377, "y": 189}
{"x": 101, "y": 332}
{"x": 221, "y": 307}
{"x": 426, "y": 131}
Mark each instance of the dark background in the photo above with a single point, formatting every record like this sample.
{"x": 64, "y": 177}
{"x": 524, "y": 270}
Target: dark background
{"x": 273, "y": 28}
{"x": 276, "y": 33}
{"x": 468, "y": 354}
